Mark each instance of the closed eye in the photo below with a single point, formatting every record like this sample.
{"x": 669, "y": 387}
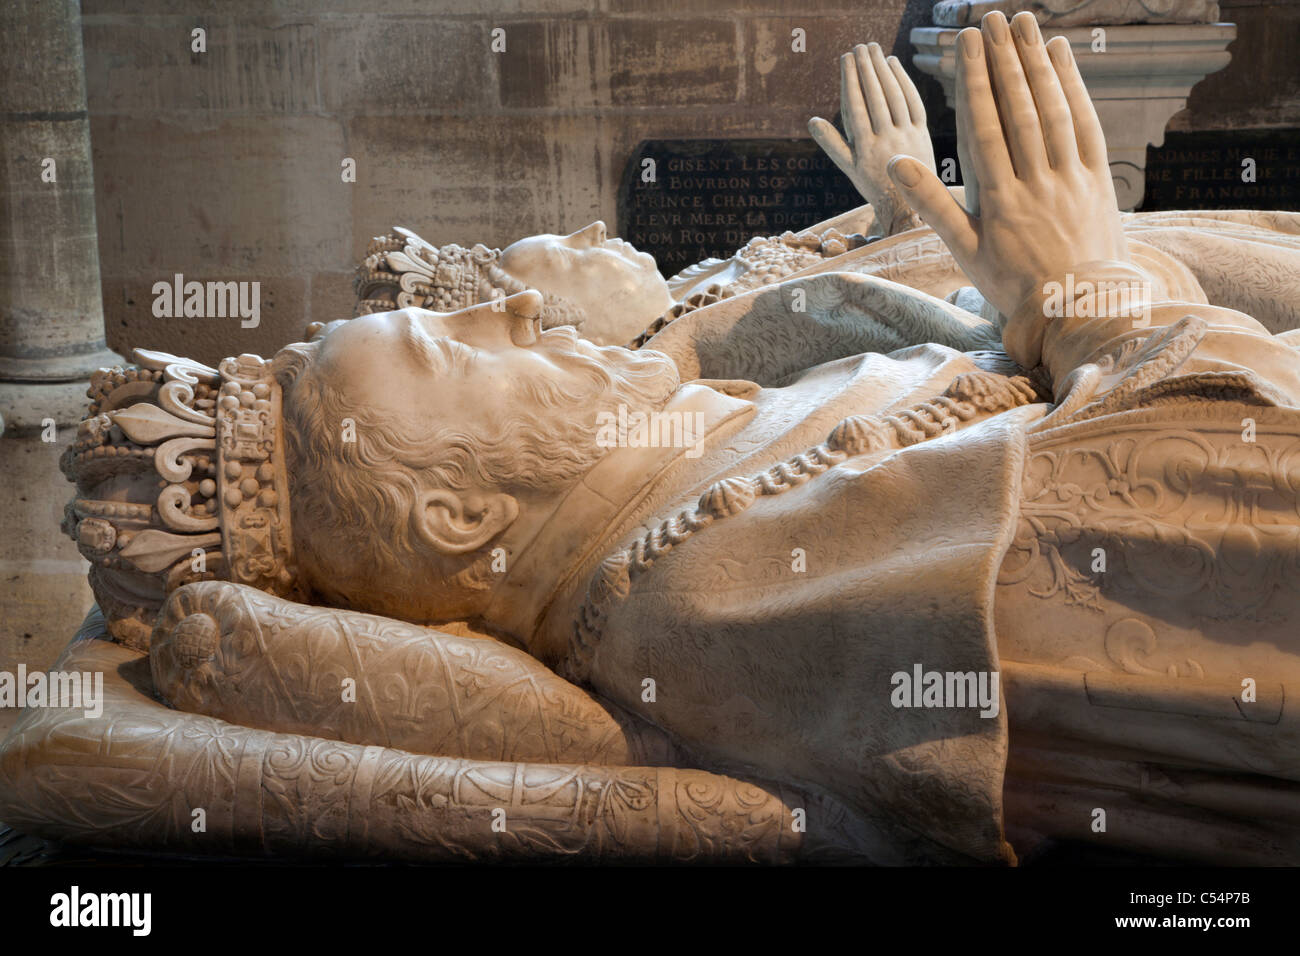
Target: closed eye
{"x": 442, "y": 354}
{"x": 458, "y": 356}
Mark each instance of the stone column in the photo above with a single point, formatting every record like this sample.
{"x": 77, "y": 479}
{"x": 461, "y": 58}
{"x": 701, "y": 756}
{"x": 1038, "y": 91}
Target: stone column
{"x": 51, "y": 319}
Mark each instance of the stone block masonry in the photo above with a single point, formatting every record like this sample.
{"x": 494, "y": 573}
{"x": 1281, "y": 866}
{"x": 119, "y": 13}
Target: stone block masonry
{"x": 225, "y": 165}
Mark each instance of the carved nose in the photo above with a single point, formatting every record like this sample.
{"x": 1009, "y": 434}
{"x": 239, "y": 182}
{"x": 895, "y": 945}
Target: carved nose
{"x": 593, "y": 234}
{"x": 526, "y": 304}
{"x": 523, "y": 311}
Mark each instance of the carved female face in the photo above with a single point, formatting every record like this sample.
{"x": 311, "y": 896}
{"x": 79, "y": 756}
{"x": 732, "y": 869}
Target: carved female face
{"x": 619, "y": 288}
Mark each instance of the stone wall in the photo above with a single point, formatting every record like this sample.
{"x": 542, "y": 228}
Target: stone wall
{"x": 226, "y": 164}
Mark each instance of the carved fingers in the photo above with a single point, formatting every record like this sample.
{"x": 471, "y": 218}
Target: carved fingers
{"x": 911, "y": 98}
{"x": 977, "y": 112}
{"x": 832, "y": 144}
{"x": 885, "y": 103}
{"x": 1085, "y": 126}
{"x": 853, "y": 114}
{"x": 937, "y": 207}
{"x": 1015, "y": 103}
{"x": 853, "y": 106}
{"x": 1054, "y": 119}
{"x": 883, "y": 117}
{"x": 1040, "y": 202}
{"x": 1013, "y": 87}
{"x": 871, "y": 70}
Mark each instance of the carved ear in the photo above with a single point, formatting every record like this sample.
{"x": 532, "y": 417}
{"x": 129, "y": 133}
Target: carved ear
{"x": 455, "y": 525}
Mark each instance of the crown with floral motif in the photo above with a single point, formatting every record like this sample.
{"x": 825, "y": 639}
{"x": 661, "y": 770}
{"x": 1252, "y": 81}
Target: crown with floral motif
{"x": 180, "y": 475}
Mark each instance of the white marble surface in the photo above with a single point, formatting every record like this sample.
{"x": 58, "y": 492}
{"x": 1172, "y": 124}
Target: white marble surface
{"x": 1137, "y": 85}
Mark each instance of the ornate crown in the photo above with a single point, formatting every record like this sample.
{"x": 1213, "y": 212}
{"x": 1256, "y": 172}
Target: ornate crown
{"x": 180, "y": 477}
{"x": 402, "y": 270}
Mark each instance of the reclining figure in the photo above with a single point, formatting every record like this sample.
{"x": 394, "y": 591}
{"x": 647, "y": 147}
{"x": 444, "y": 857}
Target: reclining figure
{"x": 876, "y": 579}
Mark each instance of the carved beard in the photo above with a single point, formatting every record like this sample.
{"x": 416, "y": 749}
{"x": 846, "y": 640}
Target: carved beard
{"x": 646, "y": 379}
{"x": 364, "y": 491}
{"x": 552, "y": 437}
{"x": 543, "y": 439}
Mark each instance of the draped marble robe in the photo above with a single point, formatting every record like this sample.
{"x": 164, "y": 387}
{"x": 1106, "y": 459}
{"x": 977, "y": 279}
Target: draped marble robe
{"x": 1124, "y": 683}
{"x": 921, "y": 532}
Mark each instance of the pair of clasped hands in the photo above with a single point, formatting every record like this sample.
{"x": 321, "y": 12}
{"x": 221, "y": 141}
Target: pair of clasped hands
{"x": 1040, "y": 203}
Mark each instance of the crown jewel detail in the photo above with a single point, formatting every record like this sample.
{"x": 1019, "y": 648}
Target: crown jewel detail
{"x": 180, "y": 477}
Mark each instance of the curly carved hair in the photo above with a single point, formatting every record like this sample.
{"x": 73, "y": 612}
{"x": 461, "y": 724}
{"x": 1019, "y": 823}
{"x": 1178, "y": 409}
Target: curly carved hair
{"x": 355, "y": 476}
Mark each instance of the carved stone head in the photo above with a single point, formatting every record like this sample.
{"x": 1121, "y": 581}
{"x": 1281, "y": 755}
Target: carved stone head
{"x": 604, "y": 287}
{"x": 379, "y": 465}
{"x": 420, "y": 442}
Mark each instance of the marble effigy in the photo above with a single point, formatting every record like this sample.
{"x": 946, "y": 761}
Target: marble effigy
{"x": 961, "y": 537}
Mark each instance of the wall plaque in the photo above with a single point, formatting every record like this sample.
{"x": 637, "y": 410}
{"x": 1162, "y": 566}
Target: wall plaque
{"x": 687, "y": 200}
{"x": 1225, "y": 169}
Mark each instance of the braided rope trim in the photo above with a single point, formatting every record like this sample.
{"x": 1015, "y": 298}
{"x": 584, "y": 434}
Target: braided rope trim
{"x": 970, "y": 394}
{"x": 713, "y": 294}
{"x": 767, "y": 260}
